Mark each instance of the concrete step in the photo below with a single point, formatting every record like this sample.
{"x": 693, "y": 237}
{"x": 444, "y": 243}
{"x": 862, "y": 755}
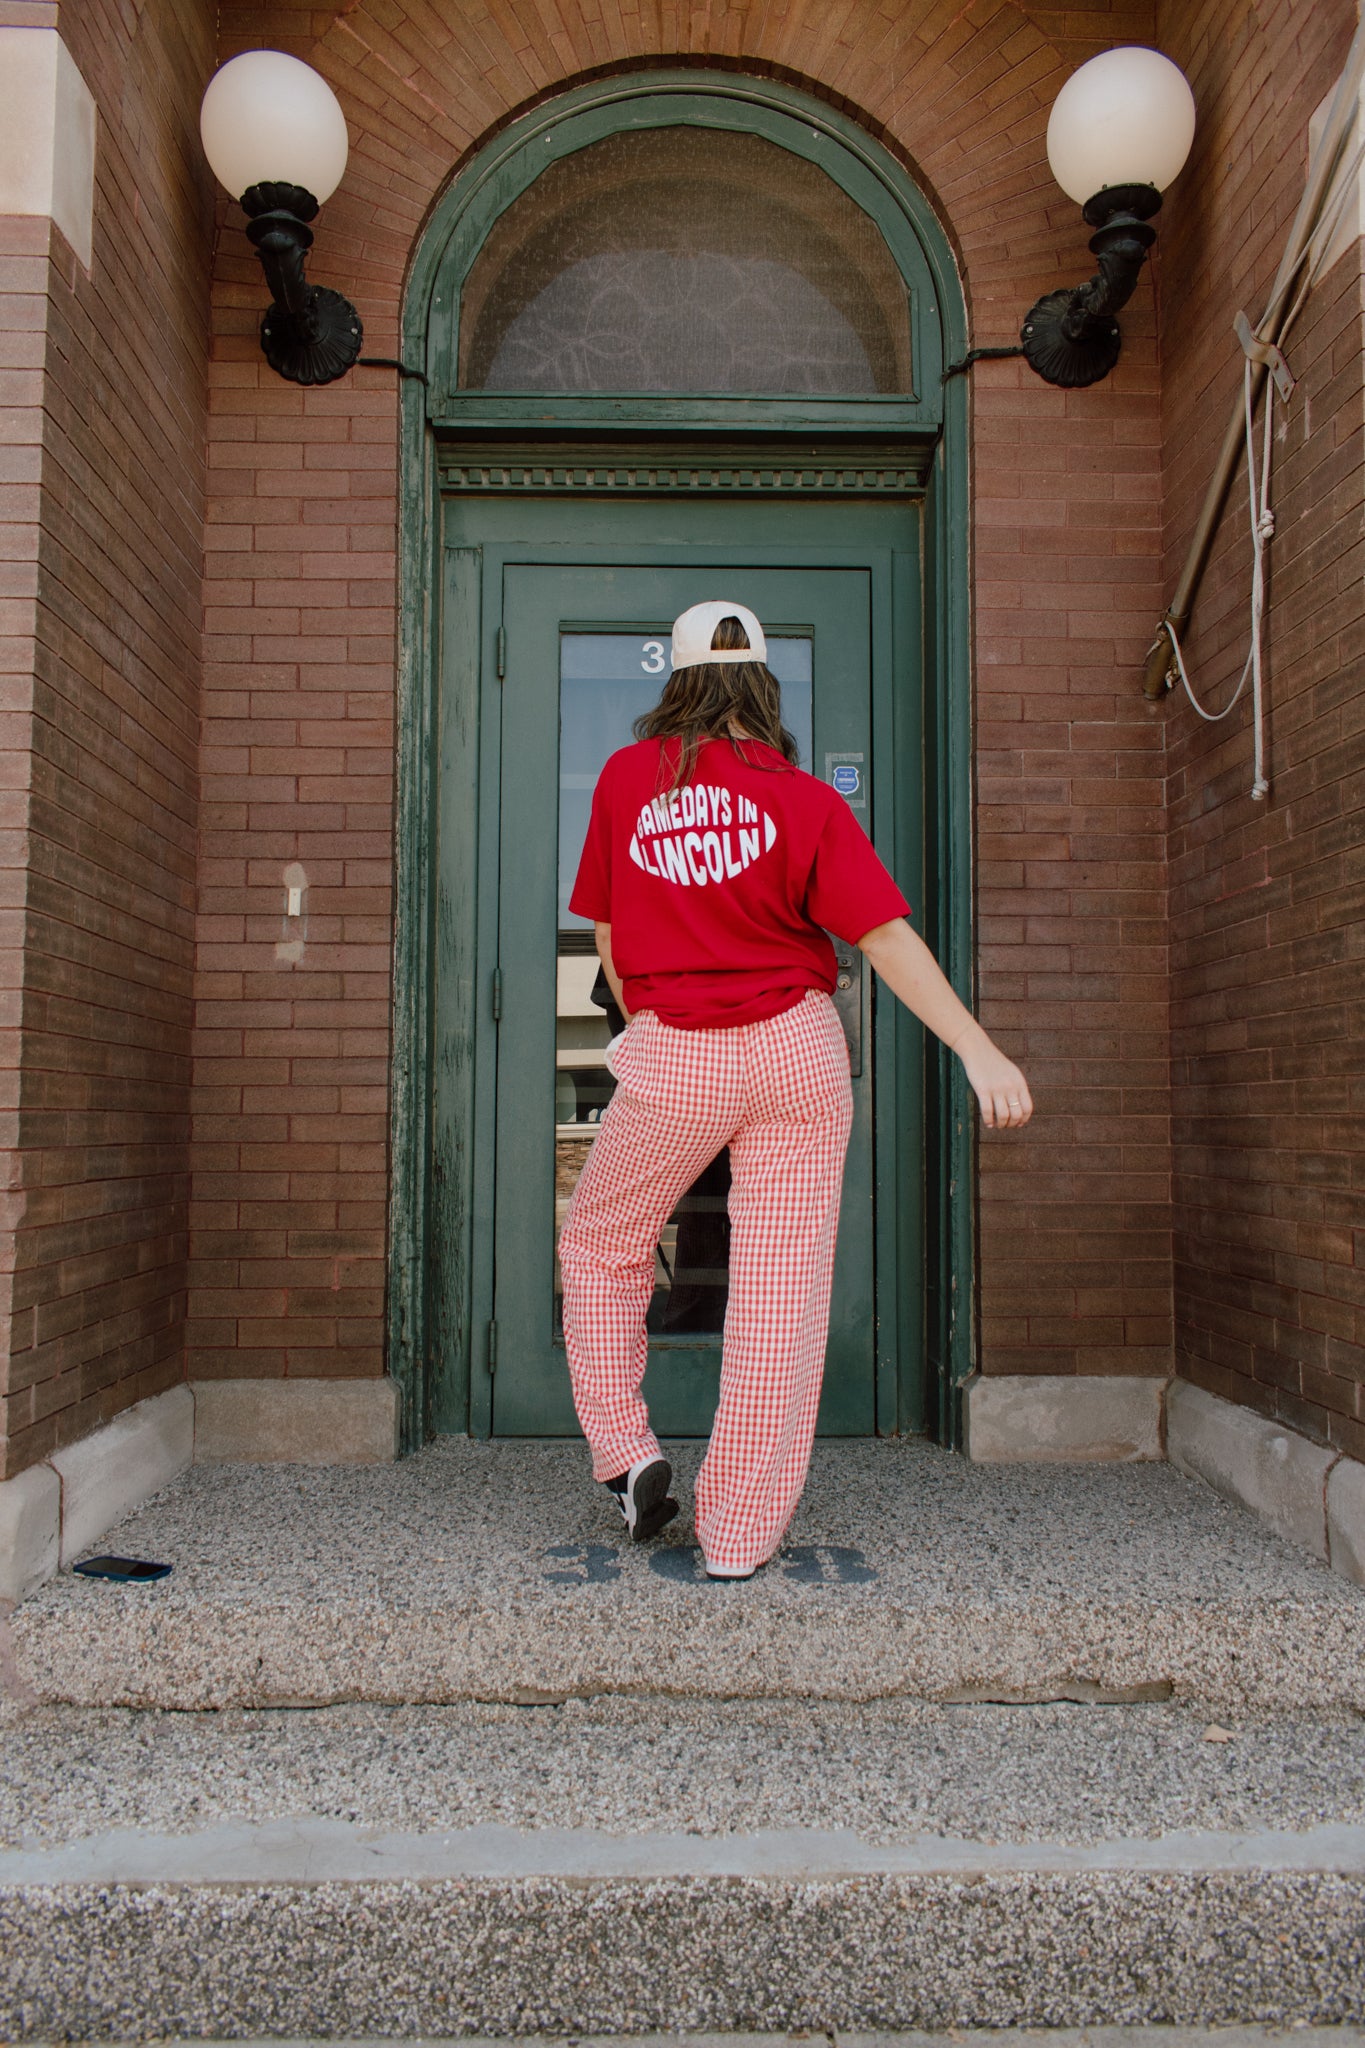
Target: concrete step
{"x": 497, "y": 1571}
{"x": 1254, "y": 2036}
{"x": 617, "y": 1866}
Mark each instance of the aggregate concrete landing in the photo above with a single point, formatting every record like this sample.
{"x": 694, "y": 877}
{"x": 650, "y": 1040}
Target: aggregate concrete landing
{"x": 496, "y": 1572}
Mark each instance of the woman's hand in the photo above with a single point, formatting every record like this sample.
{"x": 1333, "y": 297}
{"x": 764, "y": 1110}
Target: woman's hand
{"x": 911, "y": 972}
{"x": 1000, "y": 1088}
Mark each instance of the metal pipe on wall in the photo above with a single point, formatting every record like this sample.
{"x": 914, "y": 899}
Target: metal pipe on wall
{"x": 1159, "y": 674}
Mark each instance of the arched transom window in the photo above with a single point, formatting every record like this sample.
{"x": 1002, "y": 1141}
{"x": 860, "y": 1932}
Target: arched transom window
{"x": 685, "y": 259}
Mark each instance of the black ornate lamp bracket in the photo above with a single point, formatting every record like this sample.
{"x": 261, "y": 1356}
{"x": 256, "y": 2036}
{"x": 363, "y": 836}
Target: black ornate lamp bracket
{"x": 309, "y": 334}
{"x": 1071, "y": 337}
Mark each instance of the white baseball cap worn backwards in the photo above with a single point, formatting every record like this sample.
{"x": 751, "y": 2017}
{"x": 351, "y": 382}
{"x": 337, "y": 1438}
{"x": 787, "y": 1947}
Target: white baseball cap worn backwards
{"x": 694, "y": 628}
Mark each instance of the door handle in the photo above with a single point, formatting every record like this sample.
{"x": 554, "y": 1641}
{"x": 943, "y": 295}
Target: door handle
{"x": 848, "y": 1000}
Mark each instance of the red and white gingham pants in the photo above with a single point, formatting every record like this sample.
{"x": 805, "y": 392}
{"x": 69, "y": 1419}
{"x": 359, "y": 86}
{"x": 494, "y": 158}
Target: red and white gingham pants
{"x": 778, "y": 1094}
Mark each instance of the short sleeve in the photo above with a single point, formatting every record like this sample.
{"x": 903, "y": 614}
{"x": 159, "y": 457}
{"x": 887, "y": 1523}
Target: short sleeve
{"x": 849, "y": 892}
{"x": 592, "y": 885}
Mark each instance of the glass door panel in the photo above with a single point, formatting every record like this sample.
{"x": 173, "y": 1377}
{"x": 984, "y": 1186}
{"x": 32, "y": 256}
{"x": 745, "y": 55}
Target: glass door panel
{"x": 606, "y": 682}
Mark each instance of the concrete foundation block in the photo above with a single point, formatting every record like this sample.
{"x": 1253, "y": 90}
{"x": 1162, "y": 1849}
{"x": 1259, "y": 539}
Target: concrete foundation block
{"x": 1023, "y": 1418}
{"x": 296, "y": 1422}
{"x": 117, "y": 1468}
{"x": 1266, "y": 1466}
{"x": 1346, "y": 1519}
{"x": 30, "y": 1531}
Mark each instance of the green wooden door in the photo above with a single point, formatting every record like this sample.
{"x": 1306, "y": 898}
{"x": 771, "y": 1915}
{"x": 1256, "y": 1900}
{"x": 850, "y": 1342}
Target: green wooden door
{"x": 583, "y": 650}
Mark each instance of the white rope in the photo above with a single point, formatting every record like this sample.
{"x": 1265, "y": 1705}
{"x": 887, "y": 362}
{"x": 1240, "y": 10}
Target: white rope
{"x": 1262, "y": 532}
{"x": 1310, "y": 259}
{"x": 1168, "y": 628}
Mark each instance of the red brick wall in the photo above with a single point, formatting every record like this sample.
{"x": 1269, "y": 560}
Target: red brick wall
{"x": 23, "y": 341}
{"x": 1266, "y": 897}
{"x": 290, "y": 1113}
{"x": 101, "y": 719}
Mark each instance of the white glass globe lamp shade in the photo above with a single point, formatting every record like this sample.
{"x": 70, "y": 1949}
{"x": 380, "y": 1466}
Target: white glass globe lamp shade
{"x": 271, "y": 119}
{"x": 1120, "y": 131}
{"x": 1125, "y": 118}
{"x": 275, "y": 136}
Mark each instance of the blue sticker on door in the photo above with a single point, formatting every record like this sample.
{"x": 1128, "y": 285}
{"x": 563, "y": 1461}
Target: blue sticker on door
{"x": 845, "y": 773}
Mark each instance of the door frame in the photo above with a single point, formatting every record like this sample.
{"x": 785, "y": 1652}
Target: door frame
{"x": 476, "y": 441}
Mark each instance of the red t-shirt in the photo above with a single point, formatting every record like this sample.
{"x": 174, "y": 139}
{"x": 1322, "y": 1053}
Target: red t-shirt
{"x": 719, "y": 895}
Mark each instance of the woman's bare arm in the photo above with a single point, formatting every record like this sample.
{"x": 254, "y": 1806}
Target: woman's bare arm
{"x": 602, "y": 933}
{"x": 911, "y": 972}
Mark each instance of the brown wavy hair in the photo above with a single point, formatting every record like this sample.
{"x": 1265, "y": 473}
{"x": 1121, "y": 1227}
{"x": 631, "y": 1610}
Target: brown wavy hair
{"x": 706, "y": 699}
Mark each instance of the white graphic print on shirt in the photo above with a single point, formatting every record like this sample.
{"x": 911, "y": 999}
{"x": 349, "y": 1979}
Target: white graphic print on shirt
{"x": 697, "y": 835}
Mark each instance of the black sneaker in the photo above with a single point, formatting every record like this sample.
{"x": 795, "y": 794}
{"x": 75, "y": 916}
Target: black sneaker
{"x": 643, "y": 1498}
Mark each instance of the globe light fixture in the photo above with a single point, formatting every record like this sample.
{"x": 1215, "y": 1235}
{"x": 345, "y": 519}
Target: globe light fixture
{"x": 1119, "y": 133}
{"x": 275, "y": 136}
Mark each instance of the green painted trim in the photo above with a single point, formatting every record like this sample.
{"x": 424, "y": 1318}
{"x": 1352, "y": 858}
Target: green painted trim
{"x": 791, "y": 120}
{"x": 902, "y": 1224}
{"x": 431, "y": 417}
{"x": 718, "y": 417}
{"x": 739, "y": 464}
{"x": 952, "y": 1319}
{"x": 451, "y": 1309}
{"x": 413, "y": 961}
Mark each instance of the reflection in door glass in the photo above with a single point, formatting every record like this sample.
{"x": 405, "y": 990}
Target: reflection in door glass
{"x": 606, "y": 681}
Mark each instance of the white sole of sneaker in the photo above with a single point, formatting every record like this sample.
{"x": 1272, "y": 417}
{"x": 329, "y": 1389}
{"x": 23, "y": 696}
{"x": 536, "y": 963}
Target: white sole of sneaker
{"x": 646, "y": 1489}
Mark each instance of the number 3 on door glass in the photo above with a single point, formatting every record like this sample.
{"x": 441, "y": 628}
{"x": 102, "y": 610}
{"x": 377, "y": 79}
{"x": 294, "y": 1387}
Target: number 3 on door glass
{"x": 653, "y": 662}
